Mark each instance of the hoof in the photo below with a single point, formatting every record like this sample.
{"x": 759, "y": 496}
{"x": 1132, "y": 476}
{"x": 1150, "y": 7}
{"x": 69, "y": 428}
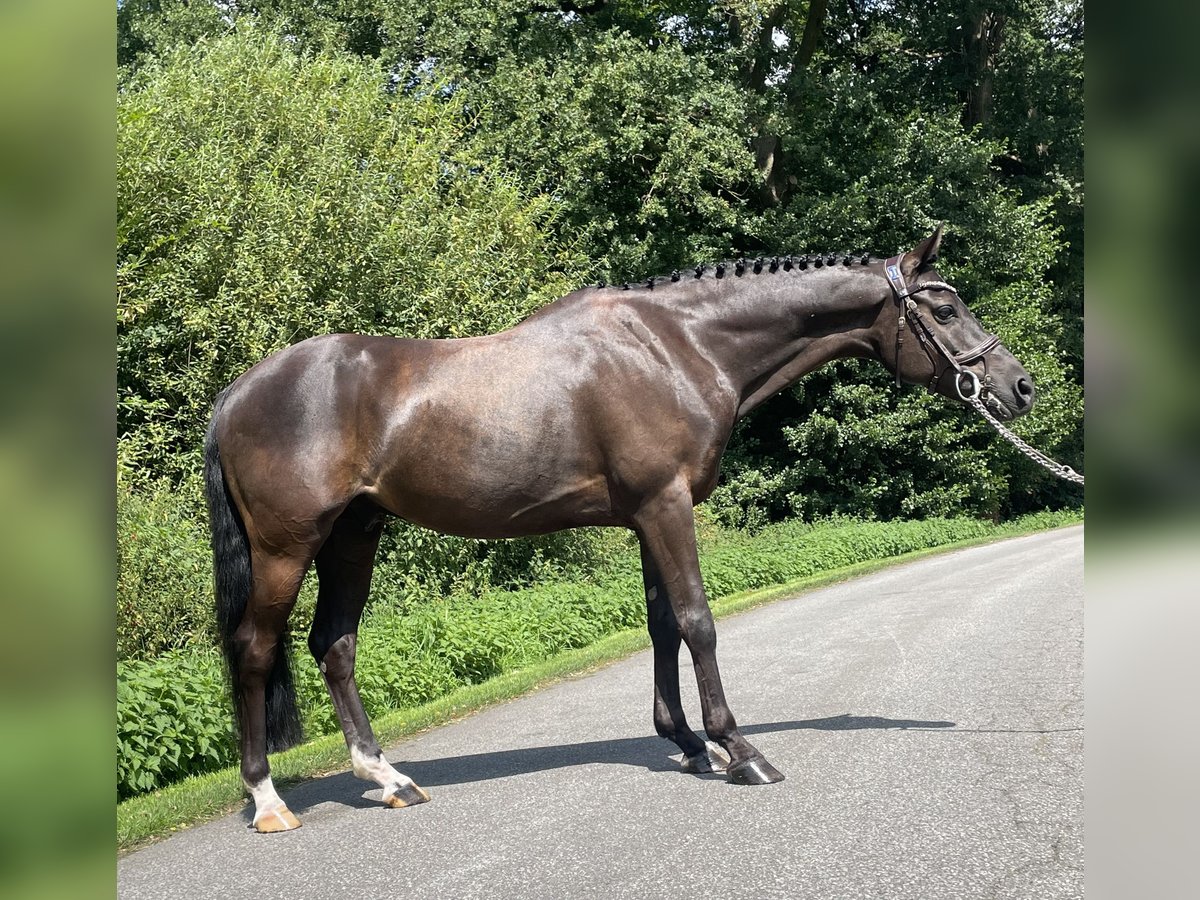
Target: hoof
{"x": 706, "y": 761}
{"x": 700, "y": 764}
{"x": 405, "y": 795}
{"x": 276, "y": 820}
{"x": 755, "y": 770}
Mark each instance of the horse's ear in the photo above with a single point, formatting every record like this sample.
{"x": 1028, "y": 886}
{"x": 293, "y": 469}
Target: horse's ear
{"x": 924, "y": 255}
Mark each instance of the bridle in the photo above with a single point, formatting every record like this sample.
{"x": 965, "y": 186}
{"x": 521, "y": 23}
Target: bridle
{"x": 944, "y": 359}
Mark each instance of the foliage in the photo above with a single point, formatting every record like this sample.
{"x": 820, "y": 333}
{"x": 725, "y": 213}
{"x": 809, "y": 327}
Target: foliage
{"x": 173, "y": 719}
{"x": 164, "y": 572}
{"x": 405, "y": 659}
{"x": 164, "y": 568}
{"x": 416, "y": 565}
{"x": 793, "y": 550}
{"x": 396, "y": 667}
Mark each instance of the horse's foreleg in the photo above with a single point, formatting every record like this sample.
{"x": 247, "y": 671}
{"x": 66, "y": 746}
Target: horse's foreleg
{"x": 667, "y": 530}
{"x": 669, "y": 719}
{"x": 344, "y": 568}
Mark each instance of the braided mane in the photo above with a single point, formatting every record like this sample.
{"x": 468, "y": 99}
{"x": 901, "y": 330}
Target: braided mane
{"x": 762, "y": 265}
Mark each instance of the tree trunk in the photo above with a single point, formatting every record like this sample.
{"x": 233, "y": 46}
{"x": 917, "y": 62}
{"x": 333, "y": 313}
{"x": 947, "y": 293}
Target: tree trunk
{"x": 812, "y": 33}
{"x": 983, "y": 37}
{"x": 768, "y": 155}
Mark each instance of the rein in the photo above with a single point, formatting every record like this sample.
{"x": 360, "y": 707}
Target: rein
{"x": 910, "y": 314}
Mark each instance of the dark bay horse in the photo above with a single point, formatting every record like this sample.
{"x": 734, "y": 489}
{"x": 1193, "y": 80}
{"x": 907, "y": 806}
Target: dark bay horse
{"x": 610, "y": 406}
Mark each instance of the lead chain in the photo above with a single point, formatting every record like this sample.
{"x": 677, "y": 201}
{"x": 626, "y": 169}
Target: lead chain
{"x": 1059, "y": 469}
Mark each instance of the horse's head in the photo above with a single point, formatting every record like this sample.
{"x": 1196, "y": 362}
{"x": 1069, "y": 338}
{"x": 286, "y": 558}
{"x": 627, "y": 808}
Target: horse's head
{"x": 939, "y": 343}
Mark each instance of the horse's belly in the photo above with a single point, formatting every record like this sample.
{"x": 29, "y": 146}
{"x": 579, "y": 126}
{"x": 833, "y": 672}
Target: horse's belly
{"x": 495, "y": 508}
{"x": 499, "y": 483}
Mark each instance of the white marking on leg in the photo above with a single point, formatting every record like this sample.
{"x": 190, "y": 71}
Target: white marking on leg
{"x": 378, "y": 770}
{"x": 265, "y": 796}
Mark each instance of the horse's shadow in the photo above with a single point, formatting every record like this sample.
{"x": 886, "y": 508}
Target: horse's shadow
{"x": 649, "y": 752}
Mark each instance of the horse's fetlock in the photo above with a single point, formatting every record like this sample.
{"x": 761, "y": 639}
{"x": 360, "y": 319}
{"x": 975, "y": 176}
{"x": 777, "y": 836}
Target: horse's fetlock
{"x": 254, "y": 771}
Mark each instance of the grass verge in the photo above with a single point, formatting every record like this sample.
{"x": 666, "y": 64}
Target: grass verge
{"x": 153, "y": 816}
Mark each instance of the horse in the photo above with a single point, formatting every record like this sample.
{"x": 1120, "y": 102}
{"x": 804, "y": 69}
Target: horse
{"x": 611, "y": 406}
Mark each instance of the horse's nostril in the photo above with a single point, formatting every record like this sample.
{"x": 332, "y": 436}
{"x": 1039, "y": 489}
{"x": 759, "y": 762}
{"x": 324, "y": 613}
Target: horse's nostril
{"x": 1024, "y": 391}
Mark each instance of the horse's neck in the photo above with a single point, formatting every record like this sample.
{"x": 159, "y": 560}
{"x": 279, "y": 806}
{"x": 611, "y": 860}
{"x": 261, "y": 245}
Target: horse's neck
{"x": 768, "y": 331}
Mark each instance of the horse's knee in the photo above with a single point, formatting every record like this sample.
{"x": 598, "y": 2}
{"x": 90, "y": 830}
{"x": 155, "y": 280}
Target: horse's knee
{"x": 322, "y": 640}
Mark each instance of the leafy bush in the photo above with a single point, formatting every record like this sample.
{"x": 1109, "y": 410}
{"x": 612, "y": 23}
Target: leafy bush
{"x": 164, "y": 572}
{"x": 793, "y": 550}
{"x": 396, "y": 667}
{"x": 173, "y": 719}
{"x": 416, "y": 565}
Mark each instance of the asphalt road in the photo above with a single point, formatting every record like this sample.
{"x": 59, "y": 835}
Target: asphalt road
{"x": 929, "y": 720}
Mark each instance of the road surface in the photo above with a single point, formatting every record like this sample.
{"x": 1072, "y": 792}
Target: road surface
{"x": 929, "y": 720}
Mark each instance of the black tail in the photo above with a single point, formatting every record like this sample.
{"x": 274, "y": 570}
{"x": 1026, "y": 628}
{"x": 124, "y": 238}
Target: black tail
{"x": 231, "y": 571}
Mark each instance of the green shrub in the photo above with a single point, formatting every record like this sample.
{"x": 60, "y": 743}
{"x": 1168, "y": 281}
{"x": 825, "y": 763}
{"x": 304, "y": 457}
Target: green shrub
{"x": 164, "y": 572}
{"x": 793, "y": 549}
{"x": 266, "y": 195}
{"x": 395, "y": 668}
{"x": 173, "y": 719}
{"x": 415, "y": 565}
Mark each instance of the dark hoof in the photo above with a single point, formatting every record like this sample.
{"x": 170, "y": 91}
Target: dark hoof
{"x": 707, "y": 761}
{"x": 755, "y": 770}
{"x": 405, "y": 795}
{"x": 700, "y": 764}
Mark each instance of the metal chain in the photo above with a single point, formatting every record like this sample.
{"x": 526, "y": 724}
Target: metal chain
{"x": 1062, "y": 471}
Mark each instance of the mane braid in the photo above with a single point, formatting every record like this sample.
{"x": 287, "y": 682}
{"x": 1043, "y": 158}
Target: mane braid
{"x": 758, "y": 266}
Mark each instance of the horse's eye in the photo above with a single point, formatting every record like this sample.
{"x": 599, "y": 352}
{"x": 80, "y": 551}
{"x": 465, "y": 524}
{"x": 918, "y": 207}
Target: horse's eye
{"x": 944, "y": 313}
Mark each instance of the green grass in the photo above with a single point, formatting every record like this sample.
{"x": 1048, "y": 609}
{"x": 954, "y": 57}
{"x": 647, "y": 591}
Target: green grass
{"x": 158, "y": 814}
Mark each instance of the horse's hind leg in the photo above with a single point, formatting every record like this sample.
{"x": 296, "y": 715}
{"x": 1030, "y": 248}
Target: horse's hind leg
{"x": 344, "y": 567}
{"x": 257, "y": 644}
{"x": 669, "y": 719}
